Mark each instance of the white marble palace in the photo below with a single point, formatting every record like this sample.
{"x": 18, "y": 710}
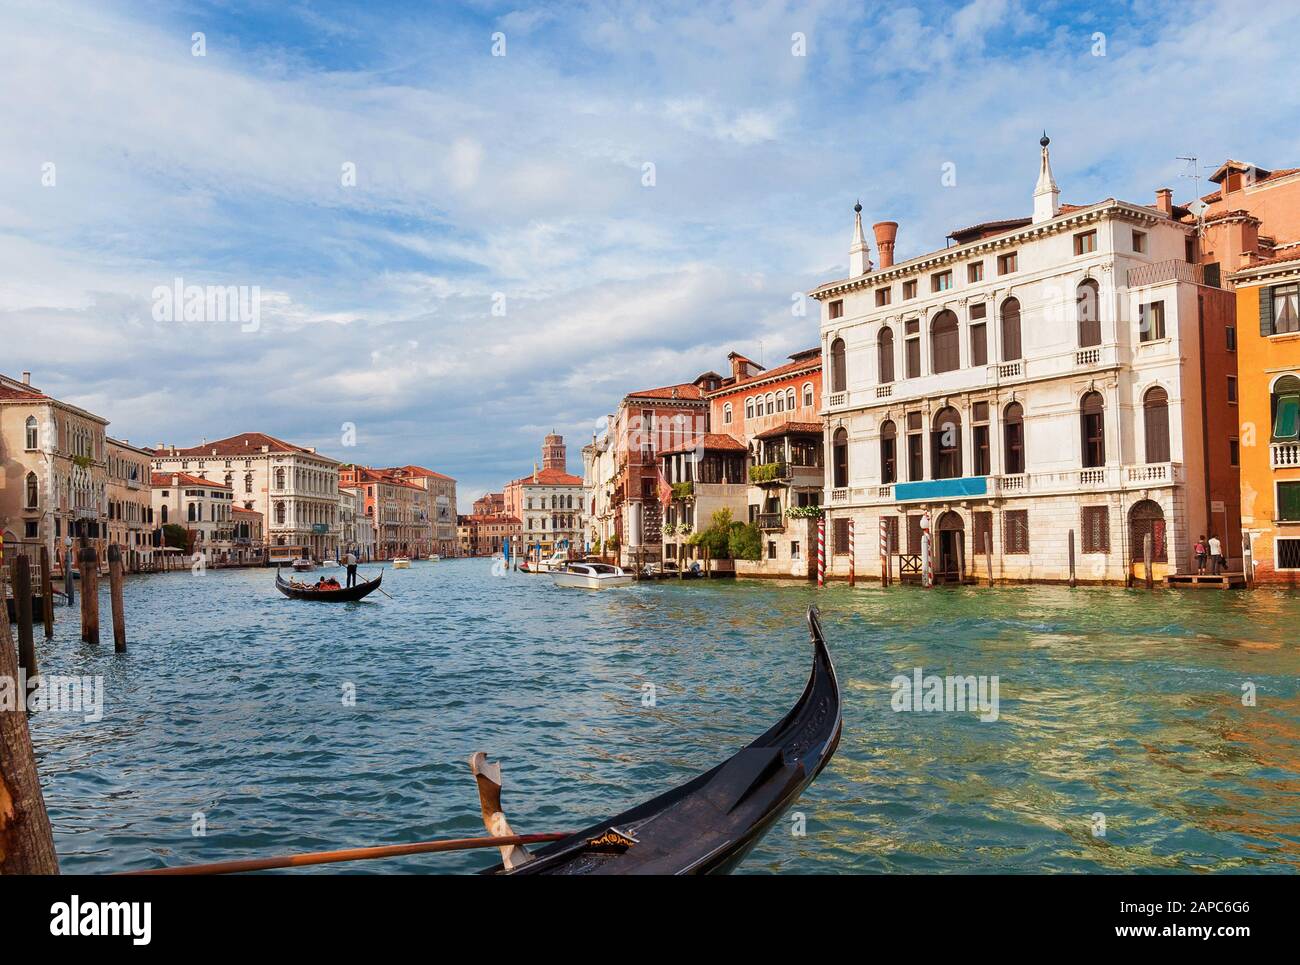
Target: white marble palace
{"x": 1038, "y": 376}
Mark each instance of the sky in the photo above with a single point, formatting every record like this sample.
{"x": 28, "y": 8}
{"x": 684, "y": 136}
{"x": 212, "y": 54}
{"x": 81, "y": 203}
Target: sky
{"x": 468, "y": 225}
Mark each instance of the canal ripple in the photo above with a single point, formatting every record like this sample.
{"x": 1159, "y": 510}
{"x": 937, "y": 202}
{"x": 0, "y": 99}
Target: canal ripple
{"x": 1114, "y": 702}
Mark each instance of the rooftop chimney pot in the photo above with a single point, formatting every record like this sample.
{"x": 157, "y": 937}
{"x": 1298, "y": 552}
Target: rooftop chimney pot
{"x": 885, "y": 232}
{"x": 1165, "y": 200}
{"x": 27, "y": 378}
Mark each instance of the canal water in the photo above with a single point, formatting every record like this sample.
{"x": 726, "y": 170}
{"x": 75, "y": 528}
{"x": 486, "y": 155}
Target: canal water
{"x": 229, "y": 716}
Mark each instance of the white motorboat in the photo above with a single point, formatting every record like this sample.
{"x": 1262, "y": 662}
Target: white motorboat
{"x": 552, "y": 563}
{"x": 303, "y": 565}
{"x": 401, "y": 563}
{"x": 590, "y": 576}
{"x": 328, "y": 563}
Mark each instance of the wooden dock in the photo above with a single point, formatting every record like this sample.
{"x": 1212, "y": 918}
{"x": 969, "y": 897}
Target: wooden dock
{"x": 1194, "y": 581}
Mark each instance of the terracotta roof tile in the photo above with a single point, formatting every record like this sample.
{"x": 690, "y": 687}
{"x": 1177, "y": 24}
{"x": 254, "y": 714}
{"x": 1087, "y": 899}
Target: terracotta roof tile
{"x": 717, "y": 441}
{"x": 550, "y": 477}
{"x": 786, "y": 428}
{"x": 244, "y": 444}
{"x": 185, "y": 479}
{"x": 685, "y": 390}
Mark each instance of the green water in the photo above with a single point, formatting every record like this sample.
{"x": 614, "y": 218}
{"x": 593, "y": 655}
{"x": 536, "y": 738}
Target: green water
{"x": 1122, "y": 703}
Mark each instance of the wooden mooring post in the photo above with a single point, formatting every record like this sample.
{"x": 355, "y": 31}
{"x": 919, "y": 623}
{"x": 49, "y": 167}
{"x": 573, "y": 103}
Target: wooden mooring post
{"x": 988, "y": 556}
{"x": 69, "y": 590}
{"x": 23, "y": 611}
{"x": 1146, "y": 557}
{"x": 26, "y": 840}
{"x": 115, "y": 597}
{"x": 1071, "y": 551}
{"x": 961, "y": 557}
{"x": 47, "y": 593}
{"x": 88, "y": 566}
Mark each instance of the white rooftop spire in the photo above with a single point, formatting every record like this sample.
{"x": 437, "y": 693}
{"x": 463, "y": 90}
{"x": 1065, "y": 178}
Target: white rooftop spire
{"x": 1047, "y": 196}
{"x": 859, "y": 253}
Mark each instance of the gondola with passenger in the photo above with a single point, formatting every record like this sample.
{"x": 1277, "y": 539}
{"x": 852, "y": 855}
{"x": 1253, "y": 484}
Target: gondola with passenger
{"x": 326, "y": 590}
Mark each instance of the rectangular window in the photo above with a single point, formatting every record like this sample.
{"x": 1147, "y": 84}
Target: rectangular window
{"x": 1234, "y": 453}
{"x": 771, "y": 549}
{"x": 1140, "y": 242}
{"x": 914, "y": 357}
{"x": 841, "y": 536}
{"x": 978, "y": 311}
{"x": 794, "y": 549}
{"x": 915, "y": 457}
{"x": 836, "y": 309}
{"x": 1232, "y": 390}
{"x": 1151, "y": 321}
{"x": 913, "y": 535}
{"x": 1288, "y": 501}
{"x": 882, "y": 296}
{"x": 941, "y": 281}
{"x": 1286, "y": 308}
{"x": 982, "y": 465}
{"x": 1288, "y": 555}
{"x": 30, "y": 528}
{"x": 975, "y": 271}
{"x": 1015, "y": 538}
{"x": 888, "y": 460}
{"x": 979, "y": 344}
{"x": 1230, "y": 337}
{"x": 909, "y": 289}
{"x": 983, "y": 532}
{"x": 1096, "y": 529}
{"x": 1007, "y": 263}
{"x": 1085, "y": 242}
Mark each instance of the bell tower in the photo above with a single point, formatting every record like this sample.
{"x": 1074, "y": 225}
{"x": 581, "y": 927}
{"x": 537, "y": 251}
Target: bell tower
{"x": 554, "y": 455}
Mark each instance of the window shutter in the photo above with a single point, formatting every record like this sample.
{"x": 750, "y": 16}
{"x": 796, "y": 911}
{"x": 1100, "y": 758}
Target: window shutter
{"x": 1265, "y": 312}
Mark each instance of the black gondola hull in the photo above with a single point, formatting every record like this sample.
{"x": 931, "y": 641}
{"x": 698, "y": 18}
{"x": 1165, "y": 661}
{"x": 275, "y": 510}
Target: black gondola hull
{"x": 709, "y": 824}
{"x": 347, "y": 594}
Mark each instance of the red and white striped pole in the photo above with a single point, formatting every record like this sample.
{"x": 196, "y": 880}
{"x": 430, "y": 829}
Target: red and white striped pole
{"x": 927, "y": 564}
{"x": 884, "y": 552}
{"x": 852, "y": 556}
{"x": 821, "y": 551}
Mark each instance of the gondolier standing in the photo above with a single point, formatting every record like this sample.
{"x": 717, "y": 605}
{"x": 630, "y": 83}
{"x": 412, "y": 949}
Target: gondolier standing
{"x": 351, "y": 561}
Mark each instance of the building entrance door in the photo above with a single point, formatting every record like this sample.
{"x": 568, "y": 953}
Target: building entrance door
{"x": 952, "y": 546}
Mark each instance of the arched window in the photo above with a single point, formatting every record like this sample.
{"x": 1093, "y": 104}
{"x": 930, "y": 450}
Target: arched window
{"x": 771, "y": 404}
{"x": 194, "y": 513}
{"x": 32, "y": 496}
{"x": 279, "y": 478}
{"x": 885, "y": 350}
{"x": 944, "y": 343}
{"x": 164, "y": 515}
{"x": 1087, "y": 304}
{"x": 1092, "y": 413}
{"x": 749, "y": 408}
{"x": 1011, "y": 330}
{"x": 807, "y": 395}
{"x": 1013, "y": 439}
{"x": 279, "y": 513}
{"x": 1147, "y": 519}
{"x": 789, "y": 399}
{"x": 888, "y": 452}
{"x": 1285, "y": 401}
{"x": 838, "y": 377}
{"x": 1155, "y": 420}
{"x": 726, "y": 414}
{"x": 230, "y": 480}
{"x": 32, "y": 436}
{"x": 840, "y": 451}
{"x": 248, "y": 482}
{"x": 780, "y": 402}
{"x": 945, "y": 444}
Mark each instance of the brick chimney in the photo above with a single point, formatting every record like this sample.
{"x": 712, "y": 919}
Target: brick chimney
{"x": 1165, "y": 200}
{"x": 886, "y": 232}
{"x": 27, "y": 378}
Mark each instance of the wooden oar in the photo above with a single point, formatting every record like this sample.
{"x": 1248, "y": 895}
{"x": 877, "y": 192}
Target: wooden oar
{"x": 380, "y": 588}
{"x": 348, "y": 854}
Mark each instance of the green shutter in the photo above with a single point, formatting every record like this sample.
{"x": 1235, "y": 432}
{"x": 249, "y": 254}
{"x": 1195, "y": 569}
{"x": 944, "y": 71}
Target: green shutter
{"x": 1288, "y": 418}
{"x": 1288, "y": 500}
{"x": 1265, "y": 312}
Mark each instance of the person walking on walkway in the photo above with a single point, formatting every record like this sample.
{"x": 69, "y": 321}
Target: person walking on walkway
{"x": 351, "y": 561}
{"x": 1201, "y": 552}
{"x": 1216, "y": 555}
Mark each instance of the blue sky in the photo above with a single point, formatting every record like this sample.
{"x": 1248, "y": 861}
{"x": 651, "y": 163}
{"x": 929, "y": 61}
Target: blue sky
{"x": 521, "y": 176}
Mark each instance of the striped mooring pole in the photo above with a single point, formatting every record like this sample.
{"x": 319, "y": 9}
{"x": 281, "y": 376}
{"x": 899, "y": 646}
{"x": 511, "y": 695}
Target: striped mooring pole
{"x": 884, "y": 552}
{"x": 852, "y": 556}
{"x": 821, "y": 552}
{"x": 927, "y": 564}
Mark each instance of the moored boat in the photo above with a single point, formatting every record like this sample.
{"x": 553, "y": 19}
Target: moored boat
{"x": 344, "y": 594}
{"x": 401, "y": 562}
{"x": 303, "y": 565}
{"x": 709, "y": 824}
{"x": 590, "y": 576}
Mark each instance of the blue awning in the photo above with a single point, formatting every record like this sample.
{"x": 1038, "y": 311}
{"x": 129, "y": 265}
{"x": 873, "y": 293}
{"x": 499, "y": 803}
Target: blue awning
{"x": 962, "y": 487}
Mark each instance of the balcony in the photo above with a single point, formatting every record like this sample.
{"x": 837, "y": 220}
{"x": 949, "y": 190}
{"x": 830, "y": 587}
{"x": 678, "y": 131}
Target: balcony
{"x": 1165, "y": 271}
{"x": 1004, "y": 371}
{"x": 1086, "y": 357}
{"x": 837, "y": 400}
{"x": 1284, "y": 455}
{"x": 770, "y": 521}
{"x": 885, "y": 391}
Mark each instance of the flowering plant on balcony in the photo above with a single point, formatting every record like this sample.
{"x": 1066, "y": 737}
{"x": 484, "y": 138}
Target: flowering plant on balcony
{"x": 804, "y": 512}
{"x": 669, "y": 529}
{"x": 768, "y": 472}
{"x": 684, "y": 490}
